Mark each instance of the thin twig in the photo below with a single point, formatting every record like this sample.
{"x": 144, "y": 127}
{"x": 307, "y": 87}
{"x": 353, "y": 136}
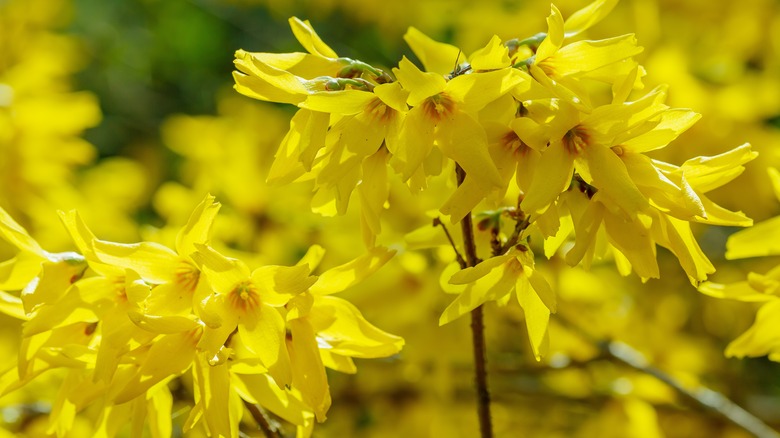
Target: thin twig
{"x": 700, "y": 396}
{"x": 520, "y": 226}
{"x": 461, "y": 260}
{"x": 477, "y": 327}
{"x": 262, "y": 420}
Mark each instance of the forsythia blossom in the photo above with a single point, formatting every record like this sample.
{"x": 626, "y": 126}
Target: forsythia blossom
{"x": 120, "y": 321}
{"x": 522, "y": 110}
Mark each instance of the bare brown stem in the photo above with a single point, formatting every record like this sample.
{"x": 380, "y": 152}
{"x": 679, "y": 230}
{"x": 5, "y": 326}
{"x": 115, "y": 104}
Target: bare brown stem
{"x": 477, "y": 327}
{"x": 262, "y": 420}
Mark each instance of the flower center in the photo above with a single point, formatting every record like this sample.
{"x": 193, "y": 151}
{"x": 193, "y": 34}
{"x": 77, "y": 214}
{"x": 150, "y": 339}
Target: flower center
{"x": 244, "y": 297}
{"x": 186, "y": 276}
{"x": 576, "y": 139}
{"x": 438, "y": 106}
{"x": 379, "y": 111}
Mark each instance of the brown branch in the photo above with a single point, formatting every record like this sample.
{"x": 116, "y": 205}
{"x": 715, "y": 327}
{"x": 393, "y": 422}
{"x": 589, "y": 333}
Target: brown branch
{"x": 270, "y": 431}
{"x": 461, "y": 260}
{"x": 699, "y": 396}
{"x": 477, "y": 326}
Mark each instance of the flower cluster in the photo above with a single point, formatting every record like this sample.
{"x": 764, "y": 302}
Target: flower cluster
{"x": 523, "y": 120}
{"x": 121, "y": 321}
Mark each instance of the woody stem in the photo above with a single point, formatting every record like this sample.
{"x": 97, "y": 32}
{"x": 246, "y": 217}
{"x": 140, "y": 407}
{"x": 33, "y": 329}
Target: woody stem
{"x": 477, "y": 326}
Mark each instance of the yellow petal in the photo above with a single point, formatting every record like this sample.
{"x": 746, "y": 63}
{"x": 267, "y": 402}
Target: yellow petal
{"x": 308, "y": 372}
{"x": 341, "y": 326}
{"x": 341, "y": 277}
{"x": 551, "y": 178}
{"x": 740, "y": 291}
{"x": 373, "y": 191}
{"x": 462, "y": 139}
{"x": 169, "y": 356}
{"x": 491, "y": 57}
{"x": 309, "y": 39}
{"x": 436, "y": 57}
{"x": 159, "y": 409}
{"x": 414, "y": 142}
{"x": 277, "y": 284}
{"x": 474, "y": 91}
{"x": 313, "y": 257}
{"x": 757, "y": 241}
{"x": 554, "y": 39}
{"x": 419, "y": 84}
{"x": 162, "y": 324}
{"x": 542, "y": 289}
{"x": 761, "y": 338}
{"x": 708, "y": 173}
{"x": 18, "y": 272}
{"x": 154, "y": 262}
{"x": 611, "y": 176}
{"x": 465, "y": 198}
{"x": 261, "y": 389}
{"x": 588, "y": 16}
{"x": 472, "y": 274}
{"x": 83, "y": 238}
{"x": 17, "y": 236}
{"x": 393, "y": 95}
{"x": 634, "y": 242}
{"x": 263, "y": 82}
{"x": 198, "y": 227}
{"x": 586, "y": 56}
{"x": 537, "y": 316}
{"x": 670, "y": 124}
{"x": 338, "y": 102}
{"x": 223, "y": 273}
{"x": 12, "y": 306}
{"x": 265, "y": 337}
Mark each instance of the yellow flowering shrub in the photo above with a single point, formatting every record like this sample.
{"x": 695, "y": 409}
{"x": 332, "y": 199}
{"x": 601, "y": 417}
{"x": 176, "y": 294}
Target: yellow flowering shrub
{"x": 530, "y": 153}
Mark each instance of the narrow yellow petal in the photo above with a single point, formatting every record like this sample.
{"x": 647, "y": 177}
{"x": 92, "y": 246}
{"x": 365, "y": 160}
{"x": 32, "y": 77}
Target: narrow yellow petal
{"x": 305, "y": 34}
{"x": 154, "y": 262}
{"x": 762, "y": 239}
{"x": 554, "y": 40}
{"x": 552, "y": 177}
{"x": 341, "y": 277}
{"x": 491, "y": 57}
{"x": 17, "y": 236}
{"x": 462, "y": 139}
{"x": 338, "y": 102}
{"x": 611, "y": 176}
{"x": 740, "y": 291}
{"x": 223, "y": 273}
{"x": 198, "y": 226}
{"x": 308, "y": 372}
{"x": 436, "y": 57}
{"x": 537, "y": 316}
{"x": 761, "y": 338}
{"x": 342, "y": 327}
{"x": 261, "y": 389}
{"x": 586, "y": 56}
{"x": 170, "y": 355}
{"x": 419, "y": 84}
{"x": 588, "y": 16}
{"x": 265, "y": 337}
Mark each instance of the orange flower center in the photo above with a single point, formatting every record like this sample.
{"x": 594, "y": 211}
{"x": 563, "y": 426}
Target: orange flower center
{"x": 438, "y": 106}
{"x": 186, "y": 276}
{"x": 244, "y": 297}
{"x": 379, "y": 111}
{"x": 576, "y": 140}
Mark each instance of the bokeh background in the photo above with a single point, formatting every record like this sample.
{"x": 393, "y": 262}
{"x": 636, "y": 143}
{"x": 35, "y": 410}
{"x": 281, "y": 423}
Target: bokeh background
{"x": 125, "y": 111}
